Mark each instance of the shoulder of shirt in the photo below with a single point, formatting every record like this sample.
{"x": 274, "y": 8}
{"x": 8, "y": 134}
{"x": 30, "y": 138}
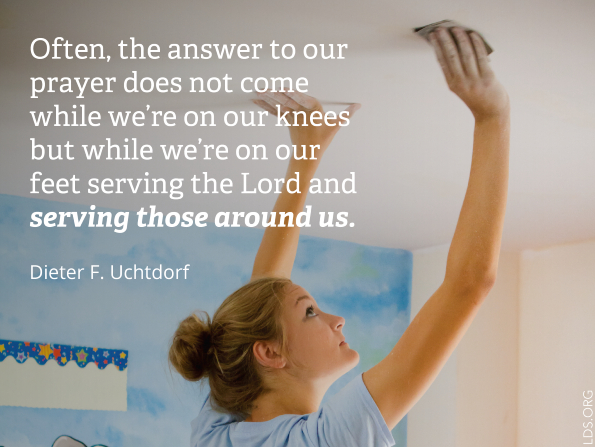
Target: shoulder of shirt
{"x": 211, "y": 419}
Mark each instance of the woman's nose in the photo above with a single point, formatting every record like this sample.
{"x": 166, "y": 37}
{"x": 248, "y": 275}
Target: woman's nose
{"x": 339, "y": 322}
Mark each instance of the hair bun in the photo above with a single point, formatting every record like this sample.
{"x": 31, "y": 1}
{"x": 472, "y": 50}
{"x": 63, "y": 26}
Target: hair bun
{"x": 206, "y": 343}
{"x": 191, "y": 345}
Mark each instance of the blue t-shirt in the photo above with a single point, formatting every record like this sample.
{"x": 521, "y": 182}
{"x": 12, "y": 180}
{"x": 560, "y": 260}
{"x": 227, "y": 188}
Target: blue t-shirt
{"x": 349, "y": 418}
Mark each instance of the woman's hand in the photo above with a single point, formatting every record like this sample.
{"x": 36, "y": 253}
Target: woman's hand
{"x": 304, "y": 135}
{"x": 277, "y": 250}
{"x": 468, "y": 73}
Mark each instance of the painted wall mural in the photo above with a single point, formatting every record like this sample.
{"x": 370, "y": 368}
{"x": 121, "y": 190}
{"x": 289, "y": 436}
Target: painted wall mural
{"x": 133, "y": 320}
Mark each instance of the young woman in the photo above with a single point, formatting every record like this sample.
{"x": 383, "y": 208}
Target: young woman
{"x": 270, "y": 353}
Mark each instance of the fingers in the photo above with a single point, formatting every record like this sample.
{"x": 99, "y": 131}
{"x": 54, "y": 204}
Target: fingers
{"x": 283, "y": 100}
{"x": 266, "y": 106}
{"x": 307, "y": 102}
{"x": 441, "y": 60}
{"x": 469, "y": 59}
{"x": 466, "y": 51}
{"x": 287, "y": 102}
{"x": 290, "y": 100}
{"x": 450, "y": 53}
{"x": 482, "y": 54}
{"x": 273, "y": 110}
{"x": 352, "y": 109}
{"x": 274, "y": 102}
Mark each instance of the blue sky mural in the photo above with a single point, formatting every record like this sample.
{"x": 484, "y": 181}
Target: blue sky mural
{"x": 369, "y": 286}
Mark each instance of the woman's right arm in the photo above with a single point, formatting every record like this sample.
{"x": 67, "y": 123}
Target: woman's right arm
{"x": 399, "y": 380}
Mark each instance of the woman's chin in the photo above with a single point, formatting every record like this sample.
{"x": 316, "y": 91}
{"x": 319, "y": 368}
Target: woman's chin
{"x": 353, "y": 360}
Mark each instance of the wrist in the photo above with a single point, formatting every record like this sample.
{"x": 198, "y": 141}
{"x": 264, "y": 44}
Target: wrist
{"x": 306, "y": 167}
{"x": 499, "y": 112}
{"x": 501, "y": 117}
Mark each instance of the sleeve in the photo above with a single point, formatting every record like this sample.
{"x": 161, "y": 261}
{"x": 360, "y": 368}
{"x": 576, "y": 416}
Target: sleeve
{"x": 211, "y": 427}
{"x": 349, "y": 418}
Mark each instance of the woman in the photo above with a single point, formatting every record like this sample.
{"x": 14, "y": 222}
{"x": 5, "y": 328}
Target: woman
{"x": 271, "y": 353}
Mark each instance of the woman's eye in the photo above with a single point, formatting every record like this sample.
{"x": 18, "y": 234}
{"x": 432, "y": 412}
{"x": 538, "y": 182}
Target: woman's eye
{"x": 310, "y": 310}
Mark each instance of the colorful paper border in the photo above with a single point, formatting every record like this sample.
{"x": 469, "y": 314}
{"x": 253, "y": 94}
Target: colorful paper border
{"x": 42, "y": 352}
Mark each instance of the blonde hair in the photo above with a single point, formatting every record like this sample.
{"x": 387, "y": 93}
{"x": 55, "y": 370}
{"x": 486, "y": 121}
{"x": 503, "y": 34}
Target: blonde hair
{"x": 221, "y": 350}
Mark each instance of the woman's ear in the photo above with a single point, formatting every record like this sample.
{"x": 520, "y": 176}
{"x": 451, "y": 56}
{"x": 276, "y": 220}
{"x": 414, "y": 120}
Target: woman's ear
{"x": 267, "y": 353}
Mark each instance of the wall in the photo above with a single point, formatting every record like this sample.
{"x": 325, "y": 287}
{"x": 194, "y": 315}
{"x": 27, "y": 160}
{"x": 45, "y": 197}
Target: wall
{"x": 473, "y": 400}
{"x": 487, "y": 365}
{"x": 432, "y": 421}
{"x": 557, "y": 344}
{"x": 518, "y": 376}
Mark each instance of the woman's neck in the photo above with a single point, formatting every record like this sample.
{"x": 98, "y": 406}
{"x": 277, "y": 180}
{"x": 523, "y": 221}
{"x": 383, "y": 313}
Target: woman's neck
{"x": 289, "y": 396}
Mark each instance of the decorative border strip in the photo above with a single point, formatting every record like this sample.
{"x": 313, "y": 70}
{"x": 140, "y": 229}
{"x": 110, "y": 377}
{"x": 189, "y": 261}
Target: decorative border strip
{"x": 22, "y": 350}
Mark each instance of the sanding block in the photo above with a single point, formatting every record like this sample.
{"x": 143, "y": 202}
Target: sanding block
{"x": 425, "y": 31}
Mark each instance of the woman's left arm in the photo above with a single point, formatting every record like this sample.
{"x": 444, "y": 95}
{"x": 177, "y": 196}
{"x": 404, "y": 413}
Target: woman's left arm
{"x": 276, "y": 254}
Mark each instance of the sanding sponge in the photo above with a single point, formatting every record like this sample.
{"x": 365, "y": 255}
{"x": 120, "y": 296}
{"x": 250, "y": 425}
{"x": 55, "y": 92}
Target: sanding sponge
{"x": 425, "y": 31}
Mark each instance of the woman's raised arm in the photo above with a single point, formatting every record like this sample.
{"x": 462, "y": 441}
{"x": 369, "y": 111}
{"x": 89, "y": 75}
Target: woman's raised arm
{"x": 399, "y": 380}
{"x": 277, "y": 250}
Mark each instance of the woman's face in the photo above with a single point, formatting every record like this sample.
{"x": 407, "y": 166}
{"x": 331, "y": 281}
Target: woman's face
{"x": 316, "y": 344}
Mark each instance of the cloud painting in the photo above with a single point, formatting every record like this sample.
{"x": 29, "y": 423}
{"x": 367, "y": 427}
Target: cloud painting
{"x": 369, "y": 286}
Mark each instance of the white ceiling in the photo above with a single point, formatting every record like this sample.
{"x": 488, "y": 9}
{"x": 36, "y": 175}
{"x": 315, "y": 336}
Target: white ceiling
{"x": 409, "y": 146}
